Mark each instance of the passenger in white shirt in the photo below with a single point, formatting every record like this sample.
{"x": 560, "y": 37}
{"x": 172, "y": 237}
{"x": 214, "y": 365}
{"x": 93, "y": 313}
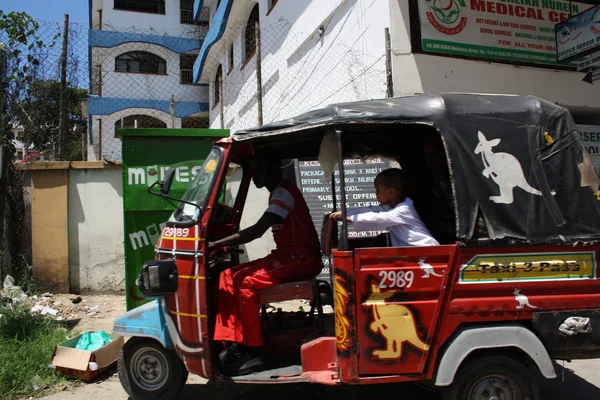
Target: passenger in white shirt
{"x": 396, "y": 213}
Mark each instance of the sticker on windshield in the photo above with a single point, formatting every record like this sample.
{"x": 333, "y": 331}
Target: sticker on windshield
{"x": 210, "y": 166}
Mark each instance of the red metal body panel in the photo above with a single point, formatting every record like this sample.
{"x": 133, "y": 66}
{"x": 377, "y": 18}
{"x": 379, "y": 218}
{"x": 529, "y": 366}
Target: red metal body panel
{"x": 399, "y": 292}
{"x": 319, "y": 355}
{"x": 345, "y": 316}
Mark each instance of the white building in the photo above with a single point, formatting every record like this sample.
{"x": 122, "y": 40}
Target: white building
{"x": 488, "y": 47}
{"x": 141, "y": 58}
{"x": 313, "y": 53}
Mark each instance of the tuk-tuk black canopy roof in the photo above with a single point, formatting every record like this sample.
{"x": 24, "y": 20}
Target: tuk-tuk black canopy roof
{"x": 516, "y": 160}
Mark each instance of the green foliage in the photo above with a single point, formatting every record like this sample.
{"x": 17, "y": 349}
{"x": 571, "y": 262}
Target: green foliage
{"x": 28, "y": 97}
{"x": 27, "y": 343}
{"x": 39, "y": 113}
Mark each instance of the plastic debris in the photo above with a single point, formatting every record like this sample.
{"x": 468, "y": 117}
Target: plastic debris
{"x": 13, "y": 292}
{"x": 92, "y": 310}
{"x": 44, "y": 310}
{"x": 92, "y": 341}
{"x": 93, "y": 366}
{"x": 575, "y": 325}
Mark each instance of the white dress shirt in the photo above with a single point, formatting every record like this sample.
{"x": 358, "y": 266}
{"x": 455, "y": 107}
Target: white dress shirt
{"x": 402, "y": 222}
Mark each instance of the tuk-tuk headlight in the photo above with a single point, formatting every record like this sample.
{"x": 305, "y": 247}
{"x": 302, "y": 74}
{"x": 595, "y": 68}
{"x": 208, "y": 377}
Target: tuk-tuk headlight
{"x": 158, "y": 278}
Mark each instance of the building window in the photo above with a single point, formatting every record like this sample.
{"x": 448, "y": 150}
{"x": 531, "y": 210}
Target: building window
{"x": 186, "y": 68}
{"x": 270, "y": 5}
{"x": 139, "y": 121}
{"x": 204, "y": 16}
{"x": 250, "y": 34}
{"x": 141, "y": 62}
{"x": 195, "y": 122}
{"x": 186, "y": 11}
{"x": 147, "y": 6}
{"x": 231, "y": 60}
{"x": 218, "y": 80}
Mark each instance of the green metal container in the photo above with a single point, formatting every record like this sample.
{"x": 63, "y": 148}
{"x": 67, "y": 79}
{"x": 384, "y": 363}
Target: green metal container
{"x": 147, "y": 154}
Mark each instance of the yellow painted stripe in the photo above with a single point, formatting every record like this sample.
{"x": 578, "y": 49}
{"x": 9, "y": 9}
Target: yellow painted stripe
{"x": 187, "y": 315}
{"x": 182, "y": 238}
{"x": 191, "y": 277}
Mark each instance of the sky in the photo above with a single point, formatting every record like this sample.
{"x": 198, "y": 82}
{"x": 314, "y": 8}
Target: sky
{"x": 50, "y": 10}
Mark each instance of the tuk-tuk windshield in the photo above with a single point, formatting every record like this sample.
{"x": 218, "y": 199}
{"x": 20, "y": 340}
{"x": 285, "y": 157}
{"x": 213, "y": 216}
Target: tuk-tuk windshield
{"x": 199, "y": 189}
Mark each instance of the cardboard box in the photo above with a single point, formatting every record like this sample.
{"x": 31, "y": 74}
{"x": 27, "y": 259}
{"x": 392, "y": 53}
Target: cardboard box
{"x": 73, "y": 362}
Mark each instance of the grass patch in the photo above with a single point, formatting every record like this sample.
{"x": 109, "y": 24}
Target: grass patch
{"x": 26, "y": 345}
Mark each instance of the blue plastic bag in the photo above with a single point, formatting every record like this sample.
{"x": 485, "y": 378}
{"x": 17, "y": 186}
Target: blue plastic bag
{"x": 92, "y": 341}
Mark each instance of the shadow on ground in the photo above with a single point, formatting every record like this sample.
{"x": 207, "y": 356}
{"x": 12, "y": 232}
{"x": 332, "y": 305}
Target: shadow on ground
{"x": 567, "y": 386}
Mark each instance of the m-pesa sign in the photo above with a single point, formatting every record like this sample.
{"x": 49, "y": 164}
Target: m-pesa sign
{"x": 504, "y": 30}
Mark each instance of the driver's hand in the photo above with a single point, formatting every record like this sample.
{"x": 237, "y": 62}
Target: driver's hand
{"x": 211, "y": 245}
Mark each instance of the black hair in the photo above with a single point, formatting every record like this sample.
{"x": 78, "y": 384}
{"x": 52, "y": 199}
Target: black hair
{"x": 393, "y": 178}
{"x": 268, "y": 156}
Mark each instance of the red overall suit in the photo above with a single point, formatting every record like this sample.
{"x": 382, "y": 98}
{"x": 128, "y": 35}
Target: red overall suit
{"x": 297, "y": 257}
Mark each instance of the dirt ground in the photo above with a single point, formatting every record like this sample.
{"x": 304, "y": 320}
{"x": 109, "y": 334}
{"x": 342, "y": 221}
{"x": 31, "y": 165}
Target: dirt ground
{"x": 577, "y": 380}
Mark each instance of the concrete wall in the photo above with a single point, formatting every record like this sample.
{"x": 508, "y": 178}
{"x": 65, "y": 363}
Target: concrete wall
{"x": 49, "y": 228}
{"x": 75, "y": 210}
{"x": 96, "y": 230}
{"x": 420, "y": 73}
{"x": 120, "y": 20}
{"x": 140, "y": 86}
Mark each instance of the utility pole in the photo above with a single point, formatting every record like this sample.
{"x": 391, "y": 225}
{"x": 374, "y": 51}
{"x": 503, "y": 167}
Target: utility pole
{"x": 62, "y": 122}
{"x": 388, "y": 64}
{"x": 259, "y": 93}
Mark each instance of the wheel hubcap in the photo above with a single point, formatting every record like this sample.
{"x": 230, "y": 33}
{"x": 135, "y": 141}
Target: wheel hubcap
{"x": 150, "y": 368}
{"x": 495, "y": 388}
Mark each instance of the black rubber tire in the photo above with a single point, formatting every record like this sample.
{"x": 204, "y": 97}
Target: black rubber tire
{"x": 504, "y": 375}
{"x": 172, "y": 379}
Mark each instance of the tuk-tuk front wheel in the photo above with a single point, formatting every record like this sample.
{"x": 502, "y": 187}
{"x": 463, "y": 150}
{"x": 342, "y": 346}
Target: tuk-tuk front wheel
{"x": 148, "y": 371}
{"x": 494, "y": 378}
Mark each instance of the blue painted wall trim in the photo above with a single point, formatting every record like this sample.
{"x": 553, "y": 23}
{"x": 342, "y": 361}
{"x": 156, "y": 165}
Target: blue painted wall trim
{"x": 215, "y": 33}
{"x": 108, "y": 106}
{"x": 112, "y": 39}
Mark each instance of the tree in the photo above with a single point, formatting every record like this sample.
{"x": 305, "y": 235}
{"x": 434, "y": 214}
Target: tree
{"x": 19, "y": 44}
{"x": 39, "y": 114}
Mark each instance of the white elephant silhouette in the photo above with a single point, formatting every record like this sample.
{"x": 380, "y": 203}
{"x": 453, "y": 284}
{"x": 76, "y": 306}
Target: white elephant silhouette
{"x": 504, "y": 169}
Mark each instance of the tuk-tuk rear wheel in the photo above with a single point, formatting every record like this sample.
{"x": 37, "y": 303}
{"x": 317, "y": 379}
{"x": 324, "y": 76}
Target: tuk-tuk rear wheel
{"x": 494, "y": 378}
{"x": 149, "y": 371}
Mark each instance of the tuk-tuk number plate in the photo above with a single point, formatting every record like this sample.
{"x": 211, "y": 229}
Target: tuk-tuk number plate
{"x": 498, "y": 268}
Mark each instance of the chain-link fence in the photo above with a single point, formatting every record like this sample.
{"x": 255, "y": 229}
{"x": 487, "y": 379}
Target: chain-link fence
{"x": 46, "y": 98}
{"x": 252, "y": 75}
{"x": 44, "y": 79}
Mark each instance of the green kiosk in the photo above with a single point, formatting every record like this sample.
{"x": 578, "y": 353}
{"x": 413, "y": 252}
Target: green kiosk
{"x": 147, "y": 154}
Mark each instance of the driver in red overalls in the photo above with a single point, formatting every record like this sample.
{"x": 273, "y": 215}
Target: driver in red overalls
{"x": 297, "y": 257}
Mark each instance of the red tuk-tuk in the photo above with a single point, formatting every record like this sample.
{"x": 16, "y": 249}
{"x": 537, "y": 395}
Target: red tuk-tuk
{"x": 513, "y": 287}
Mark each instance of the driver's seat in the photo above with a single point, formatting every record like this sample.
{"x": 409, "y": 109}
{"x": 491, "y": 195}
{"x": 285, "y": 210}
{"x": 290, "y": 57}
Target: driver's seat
{"x": 299, "y": 290}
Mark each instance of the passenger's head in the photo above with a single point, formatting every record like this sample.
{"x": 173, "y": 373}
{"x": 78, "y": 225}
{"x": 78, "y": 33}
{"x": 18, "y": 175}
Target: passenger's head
{"x": 266, "y": 168}
{"x": 390, "y": 186}
{"x": 435, "y": 155}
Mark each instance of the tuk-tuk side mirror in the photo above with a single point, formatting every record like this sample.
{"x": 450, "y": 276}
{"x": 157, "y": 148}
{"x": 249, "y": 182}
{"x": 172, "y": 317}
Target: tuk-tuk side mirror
{"x": 165, "y": 185}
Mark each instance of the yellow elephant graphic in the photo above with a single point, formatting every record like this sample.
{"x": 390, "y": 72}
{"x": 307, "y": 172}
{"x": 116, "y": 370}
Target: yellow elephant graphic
{"x": 395, "y": 322}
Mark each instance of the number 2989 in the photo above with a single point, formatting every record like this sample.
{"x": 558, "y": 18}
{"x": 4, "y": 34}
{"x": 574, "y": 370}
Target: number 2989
{"x": 396, "y": 279}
